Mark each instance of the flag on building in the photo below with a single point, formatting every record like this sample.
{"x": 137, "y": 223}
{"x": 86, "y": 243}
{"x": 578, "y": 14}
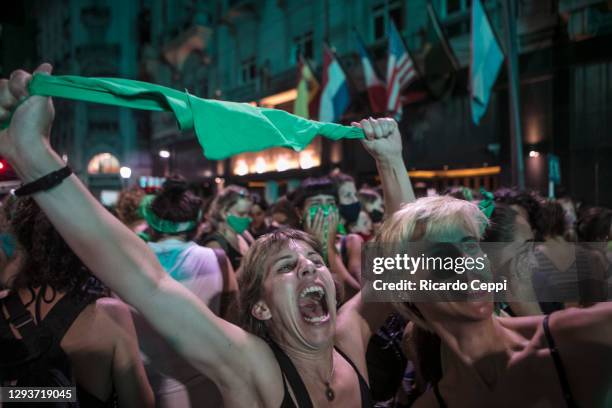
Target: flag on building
{"x": 377, "y": 91}
{"x": 439, "y": 60}
{"x": 487, "y": 59}
{"x": 400, "y": 70}
{"x": 306, "y": 102}
{"x": 335, "y": 96}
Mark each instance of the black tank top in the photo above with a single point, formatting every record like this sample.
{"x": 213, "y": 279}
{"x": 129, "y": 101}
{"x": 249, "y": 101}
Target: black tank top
{"x": 58, "y": 321}
{"x": 559, "y": 367}
{"x": 297, "y": 385}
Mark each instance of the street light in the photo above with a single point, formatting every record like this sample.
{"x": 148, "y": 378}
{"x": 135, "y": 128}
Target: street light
{"x": 534, "y": 154}
{"x": 165, "y": 155}
{"x": 125, "y": 172}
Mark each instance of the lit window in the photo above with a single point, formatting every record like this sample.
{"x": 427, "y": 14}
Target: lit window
{"x": 103, "y": 163}
{"x": 276, "y": 159}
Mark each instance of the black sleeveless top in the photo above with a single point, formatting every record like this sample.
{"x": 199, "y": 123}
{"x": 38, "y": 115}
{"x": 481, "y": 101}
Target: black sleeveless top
{"x": 57, "y": 322}
{"x": 559, "y": 367}
{"x": 299, "y": 389}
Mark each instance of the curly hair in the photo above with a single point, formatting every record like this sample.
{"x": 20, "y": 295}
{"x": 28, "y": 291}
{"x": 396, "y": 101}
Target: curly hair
{"x": 128, "y": 205}
{"x": 48, "y": 259}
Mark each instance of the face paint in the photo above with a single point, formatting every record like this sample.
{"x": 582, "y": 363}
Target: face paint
{"x": 239, "y": 224}
{"x": 350, "y": 212}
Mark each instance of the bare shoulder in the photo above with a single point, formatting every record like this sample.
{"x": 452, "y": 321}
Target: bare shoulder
{"x": 354, "y": 241}
{"x": 98, "y": 326}
{"x": 108, "y": 318}
{"x": 112, "y": 306}
{"x": 112, "y": 313}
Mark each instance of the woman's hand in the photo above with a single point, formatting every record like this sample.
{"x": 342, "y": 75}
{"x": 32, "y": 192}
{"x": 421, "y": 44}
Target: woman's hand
{"x": 382, "y": 138}
{"x": 26, "y": 139}
{"x": 315, "y": 226}
{"x": 384, "y": 142}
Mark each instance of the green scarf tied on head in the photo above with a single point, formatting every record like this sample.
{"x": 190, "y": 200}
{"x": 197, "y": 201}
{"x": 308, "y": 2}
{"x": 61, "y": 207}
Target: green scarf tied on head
{"x": 487, "y": 204}
{"x": 165, "y": 226}
{"x": 223, "y": 128}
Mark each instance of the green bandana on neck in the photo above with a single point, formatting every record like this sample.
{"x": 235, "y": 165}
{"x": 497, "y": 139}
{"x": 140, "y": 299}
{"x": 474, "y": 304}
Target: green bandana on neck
{"x": 165, "y": 226}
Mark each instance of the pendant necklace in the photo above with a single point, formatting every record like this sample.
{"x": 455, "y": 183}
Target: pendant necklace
{"x": 329, "y": 391}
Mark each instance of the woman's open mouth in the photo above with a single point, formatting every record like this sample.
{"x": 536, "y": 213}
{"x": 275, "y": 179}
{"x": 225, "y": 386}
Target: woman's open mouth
{"x": 312, "y": 304}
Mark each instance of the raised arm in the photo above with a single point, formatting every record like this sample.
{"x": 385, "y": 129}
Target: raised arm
{"x": 358, "y": 320}
{"x": 384, "y": 142}
{"x": 110, "y": 250}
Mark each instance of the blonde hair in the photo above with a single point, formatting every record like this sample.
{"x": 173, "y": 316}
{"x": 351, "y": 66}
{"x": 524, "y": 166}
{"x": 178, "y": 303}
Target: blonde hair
{"x": 428, "y": 218}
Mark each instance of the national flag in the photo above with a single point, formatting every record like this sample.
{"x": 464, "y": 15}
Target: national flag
{"x": 400, "y": 70}
{"x": 335, "y": 97}
{"x": 377, "y": 90}
{"x": 307, "y": 91}
{"x": 487, "y": 59}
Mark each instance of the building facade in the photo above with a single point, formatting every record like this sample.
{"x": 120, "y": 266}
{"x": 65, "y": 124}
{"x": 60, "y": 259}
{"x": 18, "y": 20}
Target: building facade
{"x": 250, "y": 55}
{"x": 97, "y": 39}
{"x": 246, "y": 51}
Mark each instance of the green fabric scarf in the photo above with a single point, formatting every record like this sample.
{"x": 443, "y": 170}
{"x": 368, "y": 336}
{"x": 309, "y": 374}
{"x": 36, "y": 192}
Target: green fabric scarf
{"x": 223, "y": 128}
{"x": 162, "y": 225}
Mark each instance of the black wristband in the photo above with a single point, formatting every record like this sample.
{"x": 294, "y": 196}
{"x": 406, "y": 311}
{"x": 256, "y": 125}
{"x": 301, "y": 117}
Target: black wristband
{"x": 47, "y": 182}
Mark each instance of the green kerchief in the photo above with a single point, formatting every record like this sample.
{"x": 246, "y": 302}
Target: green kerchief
{"x": 487, "y": 204}
{"x": 223, "y": 128}
{"x": 161, "y": 225}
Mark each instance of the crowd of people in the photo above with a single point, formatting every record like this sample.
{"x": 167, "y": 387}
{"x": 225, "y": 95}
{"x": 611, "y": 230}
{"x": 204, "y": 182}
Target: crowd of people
{"x": 183, "y": 300}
